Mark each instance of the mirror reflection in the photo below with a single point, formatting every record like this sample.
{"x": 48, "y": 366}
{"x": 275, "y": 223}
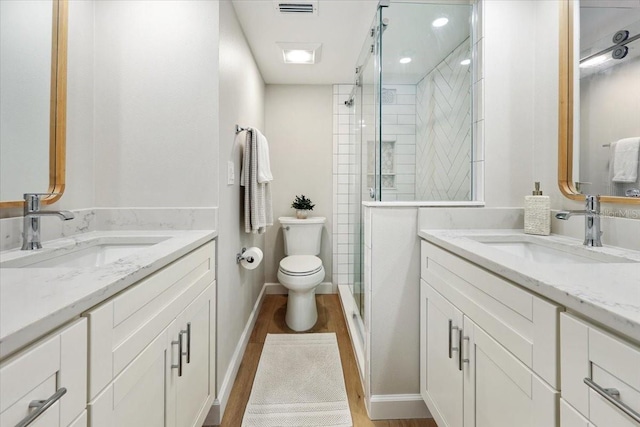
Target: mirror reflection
{"x": 607, "y": 98}
{"x": 32, "y": 99}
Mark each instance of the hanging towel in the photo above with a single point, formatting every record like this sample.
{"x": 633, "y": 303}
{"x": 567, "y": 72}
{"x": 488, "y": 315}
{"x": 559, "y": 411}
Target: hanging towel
{"x": 625, "y": 159}
{"x": 258, "y": 211}
{"x": 264, "y": 164}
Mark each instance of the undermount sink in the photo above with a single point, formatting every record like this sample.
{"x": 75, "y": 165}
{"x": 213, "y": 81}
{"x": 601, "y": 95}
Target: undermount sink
{"x": 90, "y": 253}
{"x": 540, "y": 250}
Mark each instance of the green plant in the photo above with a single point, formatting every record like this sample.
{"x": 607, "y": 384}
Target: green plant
{"x": 301, "y": 203}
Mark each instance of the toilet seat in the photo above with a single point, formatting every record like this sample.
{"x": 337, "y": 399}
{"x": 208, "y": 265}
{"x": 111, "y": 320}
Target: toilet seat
{"x": 300, "y": 265}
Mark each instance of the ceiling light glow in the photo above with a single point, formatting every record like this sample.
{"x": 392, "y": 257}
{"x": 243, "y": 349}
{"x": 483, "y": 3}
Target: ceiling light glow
{"x": 299, "y": 56}
{"x": 594, "y": 62}
{"x": 440, "y": 22}
{"x": 405, "y": 60}
{"x": 465, "y": 62}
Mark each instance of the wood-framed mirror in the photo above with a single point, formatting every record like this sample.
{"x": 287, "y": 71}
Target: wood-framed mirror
{"x": 33, "y": 99}
{"x": 599, "y": 98}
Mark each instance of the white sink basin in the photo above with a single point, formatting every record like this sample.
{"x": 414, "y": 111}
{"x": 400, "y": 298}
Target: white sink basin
{"x": 88, "y": 253}
{"x": 539, "y": 250}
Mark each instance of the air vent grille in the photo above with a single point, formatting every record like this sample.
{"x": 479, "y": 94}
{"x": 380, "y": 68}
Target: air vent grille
{"x": 298, "y": 7}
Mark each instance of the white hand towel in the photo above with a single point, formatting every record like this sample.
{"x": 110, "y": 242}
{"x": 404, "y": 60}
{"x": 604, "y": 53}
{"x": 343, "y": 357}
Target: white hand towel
{"x": 264, "y": 164}
{"x": 625, "y": 160}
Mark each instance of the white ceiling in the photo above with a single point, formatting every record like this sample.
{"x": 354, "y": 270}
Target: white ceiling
{"x": 340, "y": 25}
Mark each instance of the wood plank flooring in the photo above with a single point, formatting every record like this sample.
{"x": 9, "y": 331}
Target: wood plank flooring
{"x": 330, "y": 319}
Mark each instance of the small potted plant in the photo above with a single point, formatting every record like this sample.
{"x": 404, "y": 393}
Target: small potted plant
{"x": 302, "y": 205}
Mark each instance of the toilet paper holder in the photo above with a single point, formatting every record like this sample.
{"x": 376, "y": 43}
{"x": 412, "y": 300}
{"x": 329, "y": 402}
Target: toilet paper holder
{"x": 240, "y": 256}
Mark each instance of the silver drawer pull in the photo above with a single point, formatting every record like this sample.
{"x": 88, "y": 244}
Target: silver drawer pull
{"x": 451, "y": 329}
{"x": 40, "y": 406}
{"x": 179, "y": 344}
{"x": 612, "y": 395}
{"x": 189, "y": 342}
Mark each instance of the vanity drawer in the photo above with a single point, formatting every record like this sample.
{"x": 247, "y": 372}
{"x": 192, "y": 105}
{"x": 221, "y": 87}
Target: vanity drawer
{"x": 38, "y": 372}
{"x": 127, "y": 323}
{"x": 522, "y": 322}
{"x": 587, "y": 352}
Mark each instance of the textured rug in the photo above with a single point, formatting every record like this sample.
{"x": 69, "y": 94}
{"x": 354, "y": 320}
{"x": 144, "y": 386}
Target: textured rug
{"x": 299, "y": 383}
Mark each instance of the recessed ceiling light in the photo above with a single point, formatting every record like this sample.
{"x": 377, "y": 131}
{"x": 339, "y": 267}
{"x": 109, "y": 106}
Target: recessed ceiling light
{"x": 405, "y": 60}
{"x": 298, "y": 56}
{"x": 465, "y": 62}
{"x": 300, "y": 53}
{"x": 440, "y": 22}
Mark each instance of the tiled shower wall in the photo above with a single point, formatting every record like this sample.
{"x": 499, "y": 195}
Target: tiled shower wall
{"x": 344, "y": 183}
{"x": 398, "y": 124}
{"x": 443, "y": 143}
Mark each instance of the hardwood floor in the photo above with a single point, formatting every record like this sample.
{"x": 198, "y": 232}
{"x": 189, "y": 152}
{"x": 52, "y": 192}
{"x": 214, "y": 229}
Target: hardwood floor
{"x": 330, "y": 319}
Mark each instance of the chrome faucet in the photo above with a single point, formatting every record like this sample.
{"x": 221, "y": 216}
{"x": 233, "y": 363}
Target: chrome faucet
{"x": 591, "y": 214}
{"x": 31, "y": 220}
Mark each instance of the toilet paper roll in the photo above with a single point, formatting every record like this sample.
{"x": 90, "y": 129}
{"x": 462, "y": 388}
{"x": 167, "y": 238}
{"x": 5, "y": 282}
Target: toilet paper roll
{"x": 252, "y": 258}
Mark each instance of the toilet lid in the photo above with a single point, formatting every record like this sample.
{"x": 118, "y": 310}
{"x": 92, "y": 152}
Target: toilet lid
{"x": 300, "y": 265}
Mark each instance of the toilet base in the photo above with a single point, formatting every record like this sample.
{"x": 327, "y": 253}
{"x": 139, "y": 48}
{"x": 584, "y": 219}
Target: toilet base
{"x": 302, "y": 312}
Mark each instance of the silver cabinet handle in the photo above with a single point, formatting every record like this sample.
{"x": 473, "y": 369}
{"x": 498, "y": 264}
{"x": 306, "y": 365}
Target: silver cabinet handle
{"x": 179, "y": 365}
{"x": 612, "y": 396}
{"x": 451, "y": 329}
{"x": 464, "y": 360}
{"x": 40, "y": 406}
{"x": 460, "y": 352}
{"x": 189, "y": 342}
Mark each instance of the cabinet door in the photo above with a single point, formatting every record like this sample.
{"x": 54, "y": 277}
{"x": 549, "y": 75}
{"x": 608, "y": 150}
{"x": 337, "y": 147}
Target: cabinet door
{"x": 499, "y": 390}
{"x": 442, "y": 383}
{"x": 136, "y": 397}
{"x": 193, "y": 387}
{"x": 40, "y": 372}
{"x": 608, "y": 363}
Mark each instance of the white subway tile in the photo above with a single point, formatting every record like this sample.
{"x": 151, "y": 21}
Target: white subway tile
{"x": 389, "y": 119}
{"x": 406, "y": 100}
{"x": 406, "y": 119}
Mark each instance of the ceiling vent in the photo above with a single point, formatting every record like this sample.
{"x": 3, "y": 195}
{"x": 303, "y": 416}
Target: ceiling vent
{"x": 297, "y": 7}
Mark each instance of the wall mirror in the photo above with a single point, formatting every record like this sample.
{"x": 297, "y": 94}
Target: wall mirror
{"x": 33, "y": 62}
{"x": 599, "y": 99}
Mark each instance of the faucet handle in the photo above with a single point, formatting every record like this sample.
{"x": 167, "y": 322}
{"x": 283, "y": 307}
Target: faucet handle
{"x": 32, "y": 200}
{"x": 592, "y": 203}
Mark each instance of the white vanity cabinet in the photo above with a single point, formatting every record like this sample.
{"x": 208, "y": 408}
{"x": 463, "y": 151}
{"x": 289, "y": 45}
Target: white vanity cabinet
{"x": 41, "y": 372}
{"x": 151, "y": 348}
{"x": 488, "y": 349}
{"x": 594, "y": 364}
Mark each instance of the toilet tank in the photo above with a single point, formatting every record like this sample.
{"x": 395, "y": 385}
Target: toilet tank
{"x": 302, "y": 236}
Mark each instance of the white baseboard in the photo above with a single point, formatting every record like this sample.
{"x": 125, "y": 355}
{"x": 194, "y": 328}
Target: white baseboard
{"x": 278, "y": 289}
{"x": 219, "y": 405}
{"x": 397, "y": 406}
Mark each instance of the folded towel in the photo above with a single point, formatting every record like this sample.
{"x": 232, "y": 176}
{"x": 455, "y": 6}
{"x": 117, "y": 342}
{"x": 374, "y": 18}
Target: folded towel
{"x": 264, "y": 164}
{"x": 625, "y": 159}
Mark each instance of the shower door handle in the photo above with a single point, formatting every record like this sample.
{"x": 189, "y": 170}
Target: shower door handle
{"x": 372, "y": 193}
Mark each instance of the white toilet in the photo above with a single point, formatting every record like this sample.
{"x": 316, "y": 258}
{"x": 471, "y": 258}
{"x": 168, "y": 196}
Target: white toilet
{"x": 301, "y": 271}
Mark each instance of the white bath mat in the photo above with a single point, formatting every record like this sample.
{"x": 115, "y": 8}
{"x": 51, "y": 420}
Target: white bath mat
{"x": 299, "y": 383}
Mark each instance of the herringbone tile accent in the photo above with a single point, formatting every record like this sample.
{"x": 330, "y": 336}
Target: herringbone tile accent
{"x": 443, "y": 130}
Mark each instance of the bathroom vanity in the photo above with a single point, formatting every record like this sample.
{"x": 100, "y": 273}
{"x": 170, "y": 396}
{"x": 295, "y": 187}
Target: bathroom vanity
{"x": 528, "y": 328}
{"x": 113, "y": 328}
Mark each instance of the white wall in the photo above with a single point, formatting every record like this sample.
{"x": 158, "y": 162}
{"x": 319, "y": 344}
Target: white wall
{"x": 156, "y": 103}
{"x": 79, "y": 192}
{"x": 242, "y": 94}
{"x": 509, "y": 86}
{"x": 298, "y": 125}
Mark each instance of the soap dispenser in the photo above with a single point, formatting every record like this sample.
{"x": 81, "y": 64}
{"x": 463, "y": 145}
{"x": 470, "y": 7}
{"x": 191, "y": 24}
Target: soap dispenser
{"x": 537, "y": 213}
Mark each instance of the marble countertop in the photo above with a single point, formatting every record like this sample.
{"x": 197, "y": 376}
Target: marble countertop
{"x": 608, "y": 293}
{"x": 35, "y": 301}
